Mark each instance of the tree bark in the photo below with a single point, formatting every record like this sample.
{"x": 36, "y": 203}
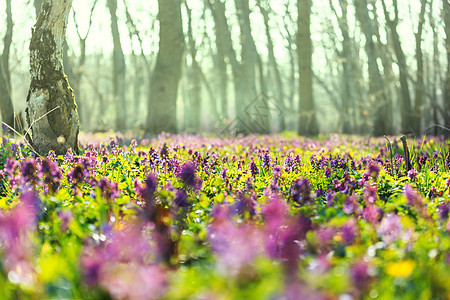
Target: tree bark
{"x": 6, "y": 105}
{"x": 278, "y": 86}
{"x": 420, "y": 85}
{"x": 406, "y": 108}
{"x": 167, "y": 72}
{"x": 348, "y": 78}
{"x": 256, "y": 113}
{"x": 51, "y": 112}
{"x": 194, "y": 81}
{"x": 308, "y": 123}
{"x": 446, "y": 15}
{"x": 382, "y": 122}
{"x": 118, "y": 70}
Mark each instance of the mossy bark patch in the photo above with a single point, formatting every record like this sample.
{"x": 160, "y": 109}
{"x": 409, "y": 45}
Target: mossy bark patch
{"x": 49, "y": 89}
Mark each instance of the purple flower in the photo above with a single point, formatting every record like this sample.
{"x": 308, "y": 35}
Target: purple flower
{"x": 244, "y": 206}
{"x": 444, "y": 210}
{"x": 146, "y": 194}
{"x": 110, "y": 190}
{"x": 49, "y": 174}
{"x": 412, "y": 196}
{"x": 266, "y": 160}
{"x": 350, "y": 205}
{"x": 372, "y": 213}
{"x": 301, "y": 191}
{"x": 187, "y": 175}
{"x": 412, "y": 174}
{"x": 253, "y": 168}
{"x": 235, "y": 245}
{"x": 370, "y": 193}
{"x": 28, "y": 169}
{"x": 349, "y": 232}
{"x": 181, "y": 199}
{"x": 288, "y": 163}
{"x": 360, "y": 276}
{"x": 374, "y": 169}
{"x": 390, "y": 228}
{"x": 76, "y": 176}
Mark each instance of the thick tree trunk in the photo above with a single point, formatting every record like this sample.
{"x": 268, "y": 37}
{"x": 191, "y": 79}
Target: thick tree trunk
{"x": 166, "y": 75}
{"x": 118, "y": 70}
{"x": 51, "y": 112}
{"x": 6, "y": 105}
{"x": 308, "y": 123}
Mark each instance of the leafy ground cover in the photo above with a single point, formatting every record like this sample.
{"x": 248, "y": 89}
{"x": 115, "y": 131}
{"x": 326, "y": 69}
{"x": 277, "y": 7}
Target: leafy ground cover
{"x": 257, "y": 217}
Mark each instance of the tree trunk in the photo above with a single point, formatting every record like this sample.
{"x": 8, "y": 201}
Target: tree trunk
{"x": 278, "y": 86}
{"x": 118, "y": 70}
{"x": 255, "y": 113}
{"x": 167, "y": 72}
{"x": 6, "y": 105}
{"x": 51, "y": 112}
{"x": 347, "y": 58}
{"x": 406, "y": 110}
{"x": 420, "y": 85}
{"x": 308, "y": 123}
{"x": 194, "y": 80}
{"x": 377, "y": 98}
{"x": 446, "y": 15}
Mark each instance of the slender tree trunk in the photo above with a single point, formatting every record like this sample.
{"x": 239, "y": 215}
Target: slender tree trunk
{"x": 257, "y": 113}
{"x": 6, "y": 105}
{"x": 278, "y": 86}
{"x": 347, "y": 58}
{"x": 420, "y": 85}
{"x": 446, "y": 15}
{"x": 377, "y": 98}
{"x": 406, "y": 110}
{"x": 194, "y": 80}
{"x": 224, "y": 41}
{"x": 166, "y": 75}
{"x": 119, "y": 70}
{"x": 308, "y": 123}
{"x": 51, "y": 112}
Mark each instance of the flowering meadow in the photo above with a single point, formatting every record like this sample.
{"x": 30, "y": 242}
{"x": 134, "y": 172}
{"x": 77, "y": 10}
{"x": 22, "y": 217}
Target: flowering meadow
{"x": 256, "y": 217}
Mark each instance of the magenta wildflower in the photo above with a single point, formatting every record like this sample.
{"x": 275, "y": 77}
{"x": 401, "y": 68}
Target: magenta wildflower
{"x": 374, "y": 169}
{"x": 236, "y": 246}
{"x": 372, "y": 213}
{"x": 254, "y": 170}
{"x": 301, "y": 191}
{"x": 188, "y": 177}
{"x": 181, "y": 199}
{"x": 370, "y": 193}
{"x": 349, "y": 232}
{"x": 412, "y": 174}
{"x": 360, "y": 276}
{"x": 390, "y": 229}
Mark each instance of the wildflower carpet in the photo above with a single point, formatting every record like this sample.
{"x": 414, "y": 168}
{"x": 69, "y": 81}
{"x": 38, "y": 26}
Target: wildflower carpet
{"x": 257, "y": 217}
